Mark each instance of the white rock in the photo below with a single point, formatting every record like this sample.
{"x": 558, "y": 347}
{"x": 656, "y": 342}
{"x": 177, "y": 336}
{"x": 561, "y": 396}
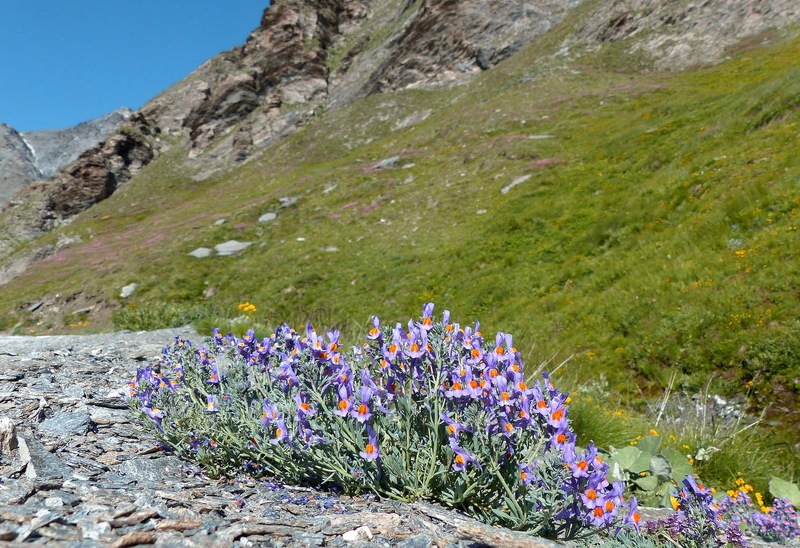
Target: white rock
{"x": 219, "y": 222}
{"x": 519, "y": 180}
{"x": 127, "y": 291}
{"x": 200, "y": 252}
{"x": 267, "y": 217}
{"x": 8, "y": 436}
{"x": 231, "y": 247}
{"x": 362, "y": 533}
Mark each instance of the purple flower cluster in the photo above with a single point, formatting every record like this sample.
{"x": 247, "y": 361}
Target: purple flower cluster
{"x": 698, "y": 520}
{"x": 778, "y": 523}
{"x": 484, "y": 422}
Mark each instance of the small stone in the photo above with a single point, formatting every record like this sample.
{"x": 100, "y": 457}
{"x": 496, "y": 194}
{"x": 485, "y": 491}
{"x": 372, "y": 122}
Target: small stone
{"x": 219, "y": 222}
{"x": 267, "y": 217}
{"x": 53, "y": 502}
{"x": 74, "y": 391}
{"x": 67, "y": 424}
{"x": 387, "y": 163}
{"x": 149, "y": 471}
{"x": 8, "y": 436}
{"x": 41, "y": 463}
{"x": 417, "y": 541}
{"x": 231, "y": 247}
{"x": 127, "y": 291}
{"x": 93, "y": 530}
{"x": 200, "y": 252}
{"x": 361, "y": 533}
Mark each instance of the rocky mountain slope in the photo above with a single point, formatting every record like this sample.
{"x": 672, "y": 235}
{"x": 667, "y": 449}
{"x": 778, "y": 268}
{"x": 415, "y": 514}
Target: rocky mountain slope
{"x": 357, "y": 158}
{"x": 37, "y": 155}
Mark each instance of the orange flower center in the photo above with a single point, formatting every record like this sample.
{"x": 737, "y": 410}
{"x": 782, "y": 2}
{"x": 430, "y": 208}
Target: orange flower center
{"x": 561, "y": 438}
{"x": 451, "y": 429}
{"x": 609, "y": 506}
{"x": 540, "y": 404}
{"x": 591, "y": 494}
{"x": 473, "y": 384}
{"x": 460, "y": 459}
{"x": 362, "y": 409}
{"x": 558, "y": 414}
{"x": 493, "y": 373}
{"x": 278, "y": 433}
{"x": 342, "y": 405}
{"x": 304, "y": 406}
{"x": 509, "y": 427}
{"x": 476, "y": 353}
{"x": 598, "y": 512}
{"x": 499, "y": 351}
{"x": 582, "y": 465}
{"x": 370, "y": 449}
{"x": 456, "y": 386}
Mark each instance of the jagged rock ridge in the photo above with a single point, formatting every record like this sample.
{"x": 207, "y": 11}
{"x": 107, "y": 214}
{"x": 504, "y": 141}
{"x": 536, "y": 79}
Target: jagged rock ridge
{"x": 307, "y": 57}
{"x": 36, "y": 155}
{"x": 54, "y": 149}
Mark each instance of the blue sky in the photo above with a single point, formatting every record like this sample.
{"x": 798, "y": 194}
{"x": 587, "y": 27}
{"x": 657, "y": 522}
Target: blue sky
{"x": 63, "y": 62}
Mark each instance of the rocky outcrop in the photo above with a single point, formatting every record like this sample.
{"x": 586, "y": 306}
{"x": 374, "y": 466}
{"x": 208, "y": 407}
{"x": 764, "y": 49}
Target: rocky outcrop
{"x": 54, "y": 149}
{"x": 17, "y": 163}
{"x": 37, "y": 155}
{"x": 443, "y": 42}
{"x": 679, "y": 34}
{"x": 97, "y": 173}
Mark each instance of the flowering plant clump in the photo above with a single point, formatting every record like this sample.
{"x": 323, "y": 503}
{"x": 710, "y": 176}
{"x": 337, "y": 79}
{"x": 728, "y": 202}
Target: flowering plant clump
{"x": 430, "y": 410}
{"x": 775, "y": 523}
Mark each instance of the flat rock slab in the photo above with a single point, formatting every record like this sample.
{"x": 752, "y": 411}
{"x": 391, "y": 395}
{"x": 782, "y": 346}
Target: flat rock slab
{"x": 66, "y": 424}
{"x": 231, "y": 247}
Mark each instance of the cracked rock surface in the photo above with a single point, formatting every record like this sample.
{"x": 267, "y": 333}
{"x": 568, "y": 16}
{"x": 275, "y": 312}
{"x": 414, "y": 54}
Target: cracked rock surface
{"x": 76, "y": 469}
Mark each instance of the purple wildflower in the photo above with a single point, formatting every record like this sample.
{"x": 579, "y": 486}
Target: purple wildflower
{"x": 371, "y": 451}
{"x": 462, "y": 458}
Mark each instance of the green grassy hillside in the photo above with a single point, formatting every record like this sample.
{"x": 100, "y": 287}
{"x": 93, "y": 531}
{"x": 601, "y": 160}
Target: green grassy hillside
{"x": 657, "y": 231}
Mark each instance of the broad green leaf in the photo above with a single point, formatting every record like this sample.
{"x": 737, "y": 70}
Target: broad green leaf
{"x": 627, "y": 456}
{"x": 641, "y": 464}
{"x": 647, "y": 483}
{"x": 660, "y": 467}
{"x": 649, "y": 444}
{"x": 783, "y": 489}
{"x": 679, "y": 464}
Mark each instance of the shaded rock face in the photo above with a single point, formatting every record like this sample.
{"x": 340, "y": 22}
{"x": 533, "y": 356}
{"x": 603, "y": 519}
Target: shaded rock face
{"x": 53, "y": 149}
{"x": 447, "y": 42}
{"x": 96, "y": 174}
{"x": 34, "y": 155}
{"x": 17, "y": 163}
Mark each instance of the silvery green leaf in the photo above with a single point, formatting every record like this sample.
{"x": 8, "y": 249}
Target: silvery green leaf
{"x": 627, "y": 456}
{"x": 785, "y": 490}
{"x": 647, "y": 483}
{"x": 679, "y": 464}
{"x": 649, "y": 444}
{"x": 659, "y": 466}
{"x": 704, "y": 452}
